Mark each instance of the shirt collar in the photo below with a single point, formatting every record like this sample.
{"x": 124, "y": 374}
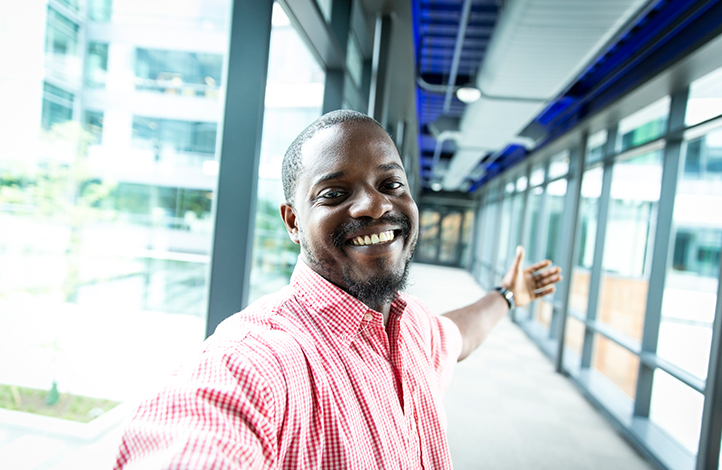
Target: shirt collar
{"x": 343, "y": 313}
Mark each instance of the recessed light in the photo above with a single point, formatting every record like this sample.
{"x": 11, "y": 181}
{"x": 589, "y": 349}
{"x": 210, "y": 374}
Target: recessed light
{"x": 468, "y": 94}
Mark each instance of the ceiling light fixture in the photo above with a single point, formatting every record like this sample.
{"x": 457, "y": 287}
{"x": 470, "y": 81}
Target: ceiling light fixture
{"x": 436, "y": 187}
{"x": 468, "y": 94}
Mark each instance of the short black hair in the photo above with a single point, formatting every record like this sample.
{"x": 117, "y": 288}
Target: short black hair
{"x": 292, "y": 166}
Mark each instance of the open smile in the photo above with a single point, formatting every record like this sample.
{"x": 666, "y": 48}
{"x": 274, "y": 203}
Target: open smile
{"x": 379, "y": 238}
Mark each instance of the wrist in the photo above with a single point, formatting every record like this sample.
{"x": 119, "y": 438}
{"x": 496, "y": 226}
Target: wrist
{"x": 507, "y": 294}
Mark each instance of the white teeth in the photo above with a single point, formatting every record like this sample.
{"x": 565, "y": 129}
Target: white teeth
{"x": 374, "y": 239}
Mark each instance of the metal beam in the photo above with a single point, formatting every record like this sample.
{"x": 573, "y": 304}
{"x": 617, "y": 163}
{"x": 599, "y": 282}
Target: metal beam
{"x": 379, "y": 68}
{"x": 333, "y": 91}
{"x": 569, "y": 238}
{"x": 240, "y": 143}
{"x": 662, "y": 241}
{"x": 595, "y": 277}
{"x": 708, "y": 454}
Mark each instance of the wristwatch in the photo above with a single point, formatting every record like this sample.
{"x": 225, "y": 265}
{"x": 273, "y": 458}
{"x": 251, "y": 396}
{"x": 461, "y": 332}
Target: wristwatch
{"x": 507, "y": 294}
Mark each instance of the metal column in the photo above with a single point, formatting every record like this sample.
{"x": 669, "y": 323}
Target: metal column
{"x": 569, "y": 237}
{"x": 596, "y": 273}
{"x": 662, "y": 240}
{"x": 240, "y": 139}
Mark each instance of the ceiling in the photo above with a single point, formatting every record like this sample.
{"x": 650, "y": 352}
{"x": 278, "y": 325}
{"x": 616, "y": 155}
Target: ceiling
{"x": 541, "y": 66}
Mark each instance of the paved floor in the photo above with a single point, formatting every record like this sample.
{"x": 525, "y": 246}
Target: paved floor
{"x": 507, "y": 409}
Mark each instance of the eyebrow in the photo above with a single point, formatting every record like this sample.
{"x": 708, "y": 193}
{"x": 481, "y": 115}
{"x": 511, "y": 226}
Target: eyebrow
{"x": 340, "y": 174}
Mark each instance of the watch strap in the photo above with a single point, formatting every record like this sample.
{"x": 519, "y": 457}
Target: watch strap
{"x": 507, "y": 294}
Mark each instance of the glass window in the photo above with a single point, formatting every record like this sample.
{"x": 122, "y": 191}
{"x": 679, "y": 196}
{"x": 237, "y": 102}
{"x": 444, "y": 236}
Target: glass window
{"x": 167, "y": 135}
{"x": 537, "y": 175}
{"x": 504, "y": 229}
{"x": 705, "y": 98}
{"x": 450, "y": 238}
{"x": 97, "y": 65}
{"x": 677, "y": 409}
{"x": 574, "y": 337}
{"x": 294, "y": 95}
{"x": 178, "y": 72}
{"x": 554, "y": 211}
{"x": 428, "y": 246}
{"x": 595, "y": 146}
{"x": 325, "y": 7}
{"x": 94, "y": 125}
{"x": 619, "y": 365}
{"x": 490, "y": 232}
{"x": 354, "y": 60}
{"x": 629, "y": 236}
{"x": 107, "y": 248}
{"x": 521, "y": 183}
{"x": 532, "y": 224}
{"x": 586, "y": 238}
{"x": 690, "y": 291}
{"x": 645, "y": 125}
{"x": 100, "y": 10}
{"x": 559, "y": 165}
{"x": 57, "y": 106}
{"x": 517, "y": 208}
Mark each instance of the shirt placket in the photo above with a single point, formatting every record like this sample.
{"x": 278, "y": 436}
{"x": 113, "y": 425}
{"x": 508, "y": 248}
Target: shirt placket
{"x": 406, "y": 391}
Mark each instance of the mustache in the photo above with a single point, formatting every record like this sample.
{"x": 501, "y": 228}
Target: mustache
{"x": 342, "y": 231}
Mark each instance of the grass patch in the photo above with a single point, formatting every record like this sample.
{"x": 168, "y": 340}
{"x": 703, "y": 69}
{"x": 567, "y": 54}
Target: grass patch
{"x": 70, "y": 407}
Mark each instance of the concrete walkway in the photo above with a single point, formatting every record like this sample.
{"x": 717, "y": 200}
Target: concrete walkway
{"x": 507, "y": 409}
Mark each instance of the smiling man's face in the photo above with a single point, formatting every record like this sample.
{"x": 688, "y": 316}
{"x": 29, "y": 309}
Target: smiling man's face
{"x": 353, "y": 213}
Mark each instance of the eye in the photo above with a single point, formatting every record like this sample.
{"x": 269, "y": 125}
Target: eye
{"x": 332, "y": 194}
{"x": 392, "y": 185}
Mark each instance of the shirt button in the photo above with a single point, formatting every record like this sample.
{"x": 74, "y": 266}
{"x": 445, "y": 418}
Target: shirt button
{"x": 368, "y": 317}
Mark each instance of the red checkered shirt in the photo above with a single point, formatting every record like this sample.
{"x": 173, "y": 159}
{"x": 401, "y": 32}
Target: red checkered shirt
{"x": 307, "y": 378}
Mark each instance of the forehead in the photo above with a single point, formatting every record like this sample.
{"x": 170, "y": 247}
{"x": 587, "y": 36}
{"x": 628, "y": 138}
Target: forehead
{"x": 346, "y": 145}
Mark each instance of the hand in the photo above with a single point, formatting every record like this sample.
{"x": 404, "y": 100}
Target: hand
{"x": 530, "y": 283}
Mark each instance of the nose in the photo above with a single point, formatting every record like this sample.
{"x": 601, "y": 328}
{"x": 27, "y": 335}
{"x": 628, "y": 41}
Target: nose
{"x": 370, "y": 202}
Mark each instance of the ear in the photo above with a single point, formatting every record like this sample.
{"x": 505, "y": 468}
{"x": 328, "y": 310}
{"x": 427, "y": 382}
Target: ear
{"x": 291, "y": 221}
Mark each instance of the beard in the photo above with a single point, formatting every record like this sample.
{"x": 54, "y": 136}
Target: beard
{"x": 380, "y": 288}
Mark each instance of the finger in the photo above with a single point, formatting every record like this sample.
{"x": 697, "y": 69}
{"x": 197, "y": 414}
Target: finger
{"x": 517, "y": 260}
{"x": 545, "y": 291}
{"x": 547, "y": 277}
{"x": 537, "y": 266}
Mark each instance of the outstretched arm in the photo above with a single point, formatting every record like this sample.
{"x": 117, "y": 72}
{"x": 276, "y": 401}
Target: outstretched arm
{"x": 476, "y": 321}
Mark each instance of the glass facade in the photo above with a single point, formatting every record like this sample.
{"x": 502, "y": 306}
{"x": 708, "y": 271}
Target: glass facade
{"x": 640, "y": 349}
{"x": 109, "y": 193}
{"x": 294, "y": 96}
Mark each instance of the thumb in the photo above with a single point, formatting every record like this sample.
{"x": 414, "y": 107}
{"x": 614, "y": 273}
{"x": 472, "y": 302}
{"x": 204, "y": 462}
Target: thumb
{"x": 515, "y": 266}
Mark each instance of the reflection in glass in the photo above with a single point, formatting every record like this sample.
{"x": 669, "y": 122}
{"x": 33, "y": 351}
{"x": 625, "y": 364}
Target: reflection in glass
{"x": 628, "y": 241}
{"x": 586, "y": 238}
{"x": 690, "y": 291}
{"x": 617, "y": 364}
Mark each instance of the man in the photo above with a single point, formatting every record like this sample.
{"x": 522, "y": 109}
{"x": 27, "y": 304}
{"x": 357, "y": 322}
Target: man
{"x": 339, "y": 369}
